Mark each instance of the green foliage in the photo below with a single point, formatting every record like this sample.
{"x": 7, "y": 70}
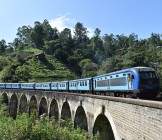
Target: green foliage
{"x": 89, "y": 69}
{"x": 65, "y": 53}
{"x": 3, "y": 62}
{"x": 2, "y": 46}
{"x": 43, "y": 128}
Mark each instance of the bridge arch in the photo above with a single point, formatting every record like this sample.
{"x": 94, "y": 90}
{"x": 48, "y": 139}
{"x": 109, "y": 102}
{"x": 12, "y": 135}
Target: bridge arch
{"x": 13, "y": 106}
{"x": 80, "y": 119}
{"x": 33, "y": 104}
{"x": 43, "y": 108}
{"x": 5, "y": 98}
{"x": 54, "y": 110}
{"x": 104, "y": 124}
{"x": 65, "y": 111}
{"x": 23, "y": 107}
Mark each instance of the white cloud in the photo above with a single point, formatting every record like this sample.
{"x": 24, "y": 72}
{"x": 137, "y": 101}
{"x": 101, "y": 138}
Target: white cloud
{"x": 63, "y": 22}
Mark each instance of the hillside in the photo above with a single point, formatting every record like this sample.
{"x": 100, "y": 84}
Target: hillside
{"x": 31, "y": 67}
{"x": 70, "y": 56}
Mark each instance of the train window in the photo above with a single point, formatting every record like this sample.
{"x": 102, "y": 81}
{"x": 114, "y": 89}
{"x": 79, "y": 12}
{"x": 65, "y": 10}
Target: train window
{"x": 110, "y": 76}
{"x": 105, "y": 77}
{"x": 85, "y": 83}
{"x": 124, "y": 74}
{"x": 148, "y": 74}
{"x": 117, "y": 75}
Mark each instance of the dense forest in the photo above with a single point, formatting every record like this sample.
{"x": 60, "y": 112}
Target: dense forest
{"x": 67, "y": 55}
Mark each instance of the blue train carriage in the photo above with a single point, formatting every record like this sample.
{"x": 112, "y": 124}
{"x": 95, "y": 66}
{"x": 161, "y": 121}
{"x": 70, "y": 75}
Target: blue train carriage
{"x": 54, "y": 86}
{"x": 28, "y": 86}
{"x": 9, "y": 85}
{"x": 114, "y": 84}
{"x": 128, "y": 83}
{"x": 15, "y": 85}
{"x": 81, "y": 85}
{"x": 2, "y": 85}
{"x": 63, "y": 86}
{"x": 38, "y": 86}
{"x": 46, "y": 86}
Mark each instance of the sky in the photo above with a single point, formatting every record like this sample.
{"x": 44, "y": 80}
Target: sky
{"x": 117, "y": 17}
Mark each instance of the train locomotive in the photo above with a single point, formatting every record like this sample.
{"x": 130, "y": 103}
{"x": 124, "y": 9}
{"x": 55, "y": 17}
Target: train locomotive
{"x": 136, "y": 82}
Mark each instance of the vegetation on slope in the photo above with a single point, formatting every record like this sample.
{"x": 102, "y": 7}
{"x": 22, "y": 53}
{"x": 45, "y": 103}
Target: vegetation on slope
{"x": 77, "y": 56}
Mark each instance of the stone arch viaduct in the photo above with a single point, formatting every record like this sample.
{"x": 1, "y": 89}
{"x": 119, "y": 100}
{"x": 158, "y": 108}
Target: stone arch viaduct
{"x": 114, "y": 118}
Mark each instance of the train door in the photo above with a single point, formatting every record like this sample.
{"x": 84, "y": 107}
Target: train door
{"x": 130, "y": 78}
{"x": 108, "y": 84}
{"x": 91, "y": 85}
{"x": 67, "y": 86}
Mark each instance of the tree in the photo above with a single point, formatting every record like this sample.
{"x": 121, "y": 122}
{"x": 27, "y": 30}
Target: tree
{"x": 52, "y": 46}
{"x": 49, "y": 32}
{"x": 108, "y": 44}
{"x": 89, "y": 69}
{"x": 37, "y": 35}
{"x": 24, "y": 34}
{"x": 80, "y": 33}
{"x": 66, "y": 40}
{"x": 97, "y": 46}
{"x": 2, "y": 46}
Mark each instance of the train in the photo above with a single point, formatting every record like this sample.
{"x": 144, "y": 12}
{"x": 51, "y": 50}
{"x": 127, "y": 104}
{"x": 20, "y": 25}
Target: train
{"x": 135, "y": 82}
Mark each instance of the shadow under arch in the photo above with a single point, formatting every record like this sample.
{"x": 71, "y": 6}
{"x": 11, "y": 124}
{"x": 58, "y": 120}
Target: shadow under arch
{"x": 80, "y": 119}
{"x": 54, "y": 111}
{"x": 32, "y": 105}
{"x": 103, "y": 127}
{"x": 43, "y": 109}
{"x": 65, "y": 112}
{"x": 13, "y": 106}
{"x": 103, "y": 114}
{"x": 23, "y": 107}
{"x": 5, "y": 99}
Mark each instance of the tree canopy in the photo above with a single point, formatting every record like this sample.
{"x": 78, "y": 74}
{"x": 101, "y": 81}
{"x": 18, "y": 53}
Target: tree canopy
{"x": 83, "y": 55}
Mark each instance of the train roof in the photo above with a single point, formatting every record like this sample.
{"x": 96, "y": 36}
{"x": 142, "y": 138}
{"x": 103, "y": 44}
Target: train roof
{"x": 80, "y": 79}
{"x": 135, "y": 69}
{"x": 27, "y": 83}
